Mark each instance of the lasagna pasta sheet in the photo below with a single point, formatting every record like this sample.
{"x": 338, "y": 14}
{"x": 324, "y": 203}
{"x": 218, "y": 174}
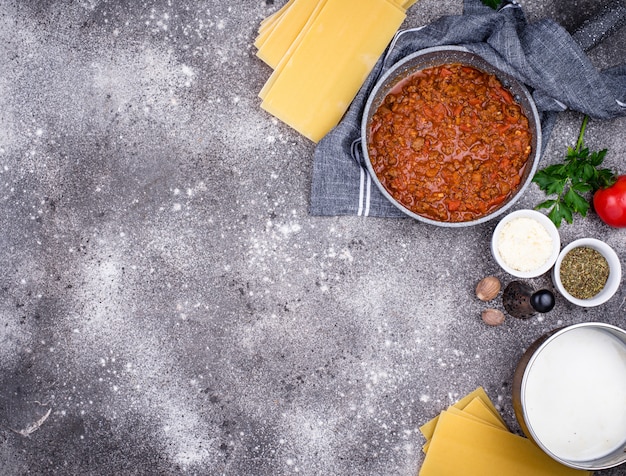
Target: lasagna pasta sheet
{"x": 321, "y": 52}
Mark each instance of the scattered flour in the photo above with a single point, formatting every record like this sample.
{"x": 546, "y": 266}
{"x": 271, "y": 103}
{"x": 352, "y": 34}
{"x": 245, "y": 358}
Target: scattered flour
{"x": 15, "y": 336}
{"x": 137, "y": 367}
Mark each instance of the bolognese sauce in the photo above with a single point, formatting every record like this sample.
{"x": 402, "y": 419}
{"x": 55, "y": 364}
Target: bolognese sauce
{"x": 450, "y": 143}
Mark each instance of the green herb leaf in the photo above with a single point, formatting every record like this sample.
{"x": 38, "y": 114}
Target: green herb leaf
{"x": 582, "y": 187}
{"x": 545, "y": 178}
{"x": 570, "y": 180}
{"x": 597, "y": 157}
{"x": 492, "y": 3}
{"x": 559, "y": 213}
{"x": 575, "y": 202}
{"x": 546, "y": 204}
{"x": 605, "y": 179}
{"x": 587, "y": 171}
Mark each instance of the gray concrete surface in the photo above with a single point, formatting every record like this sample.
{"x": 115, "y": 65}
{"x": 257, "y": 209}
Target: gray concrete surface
{"x": 167, "y": 301}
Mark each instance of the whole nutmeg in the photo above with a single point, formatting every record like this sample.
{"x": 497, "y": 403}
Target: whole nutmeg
{"x": 492, "y": 317}
{"x": 488, "y": 288}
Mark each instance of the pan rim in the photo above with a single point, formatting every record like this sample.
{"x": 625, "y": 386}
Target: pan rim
{"x": 395, "y": 73}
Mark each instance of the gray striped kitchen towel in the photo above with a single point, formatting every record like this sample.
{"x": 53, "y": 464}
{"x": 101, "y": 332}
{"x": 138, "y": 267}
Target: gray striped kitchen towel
{"x": 543, "y": 55}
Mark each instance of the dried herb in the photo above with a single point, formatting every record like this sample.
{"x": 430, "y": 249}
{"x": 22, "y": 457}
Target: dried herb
{"x": 578, "y": 175}
{"x": 584, "y": 272}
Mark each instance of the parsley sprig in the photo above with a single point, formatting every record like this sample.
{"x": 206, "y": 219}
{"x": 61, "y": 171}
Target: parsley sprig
{"x": 492, "y": 3}
{"x": 578, "y": 175}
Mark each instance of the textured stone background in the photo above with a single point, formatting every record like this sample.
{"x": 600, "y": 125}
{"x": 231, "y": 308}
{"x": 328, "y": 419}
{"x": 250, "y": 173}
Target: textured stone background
{"x": 164, "y": 296}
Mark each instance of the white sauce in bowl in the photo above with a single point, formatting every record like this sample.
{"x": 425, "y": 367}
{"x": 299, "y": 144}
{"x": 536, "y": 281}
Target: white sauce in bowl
{"x": 575, "y": 395}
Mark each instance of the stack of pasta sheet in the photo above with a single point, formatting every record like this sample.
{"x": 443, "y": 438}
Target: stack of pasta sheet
{"x": 321, "y": 52}
{"x": 470, "y": 438}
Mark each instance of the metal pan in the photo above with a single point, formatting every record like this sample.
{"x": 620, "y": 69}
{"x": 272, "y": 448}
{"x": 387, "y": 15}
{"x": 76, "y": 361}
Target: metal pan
{"x": 437, "y": 56}
{"x": 531, "y": 363}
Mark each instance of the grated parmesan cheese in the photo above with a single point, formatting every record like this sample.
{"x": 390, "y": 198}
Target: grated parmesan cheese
{"x": 524, "y": 244}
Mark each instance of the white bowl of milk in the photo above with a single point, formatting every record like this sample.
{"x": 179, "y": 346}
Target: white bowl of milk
{"x": 569, "y": 395}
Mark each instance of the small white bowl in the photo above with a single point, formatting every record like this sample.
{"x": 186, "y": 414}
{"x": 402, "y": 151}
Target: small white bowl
{"x": 612, "y": 283}
{"x": 549, "y": 227}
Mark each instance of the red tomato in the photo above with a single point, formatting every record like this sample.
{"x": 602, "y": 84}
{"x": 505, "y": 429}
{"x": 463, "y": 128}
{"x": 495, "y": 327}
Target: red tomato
{"x": 610, "y": 203}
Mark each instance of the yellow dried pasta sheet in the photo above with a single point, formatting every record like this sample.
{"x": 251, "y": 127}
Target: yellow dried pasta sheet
{"x": 428, "y": 428}
{"x": 463, "y": 446}
{"x": 317, "y": 79}
{"x": 398, "y": 4}
{"x": 286, "y": 31}
{"x": 262, "y": 37}
{"x": 293, "y": 48}
{"x": 269, "y": 21}
{"x": 478, "y": 410}
{"x": 486, "y": 413}
{"x": 264, "y": 32}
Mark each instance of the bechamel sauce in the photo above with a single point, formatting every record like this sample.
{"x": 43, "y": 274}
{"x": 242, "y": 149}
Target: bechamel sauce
{"x": 575, "y": 394}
